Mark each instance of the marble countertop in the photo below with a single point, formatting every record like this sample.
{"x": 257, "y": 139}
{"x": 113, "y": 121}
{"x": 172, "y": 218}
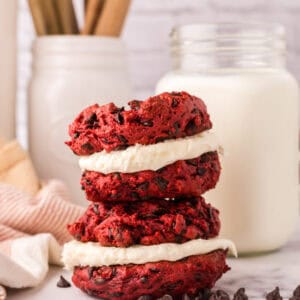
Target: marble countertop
{"x": 258, "y": 274}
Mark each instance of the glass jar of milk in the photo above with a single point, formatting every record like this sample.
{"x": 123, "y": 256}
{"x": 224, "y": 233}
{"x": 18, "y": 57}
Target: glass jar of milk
{"x": 239, "y": 71}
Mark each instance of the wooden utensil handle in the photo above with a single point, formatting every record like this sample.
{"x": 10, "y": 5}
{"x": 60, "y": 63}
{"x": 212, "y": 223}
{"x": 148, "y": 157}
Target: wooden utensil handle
{"x": 93, "y": 11}
{"x": 67, "y": 16}
{"x": 37, "y": 17}
{"x": 112, "y": 18}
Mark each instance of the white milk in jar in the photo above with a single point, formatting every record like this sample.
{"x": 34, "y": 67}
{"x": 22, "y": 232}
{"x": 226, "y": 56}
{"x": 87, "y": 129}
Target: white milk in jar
{"x": 239, "y": 72}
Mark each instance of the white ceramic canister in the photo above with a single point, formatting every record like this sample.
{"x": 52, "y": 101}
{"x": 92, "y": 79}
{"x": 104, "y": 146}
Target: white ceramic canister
{"x": 69, "y": 74}
{"x": 239, "y": 71}
{"x": 8, "y": 18}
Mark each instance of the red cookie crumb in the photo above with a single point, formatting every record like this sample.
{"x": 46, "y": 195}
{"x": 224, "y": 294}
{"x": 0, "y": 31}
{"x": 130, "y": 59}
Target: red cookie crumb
{"x": 184, "y": 178}
{"x": 129, "y": 282}
{"x": 148, "y": 223}
{"x": 162, "y": 117}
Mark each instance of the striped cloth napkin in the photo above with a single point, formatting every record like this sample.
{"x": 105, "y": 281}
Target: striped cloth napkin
{"x": 33, "y": 219}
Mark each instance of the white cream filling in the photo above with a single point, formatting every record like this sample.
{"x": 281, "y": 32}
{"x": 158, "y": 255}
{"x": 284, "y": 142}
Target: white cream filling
{"x": 92, "y": 254}
{"x": 150, "y": 157}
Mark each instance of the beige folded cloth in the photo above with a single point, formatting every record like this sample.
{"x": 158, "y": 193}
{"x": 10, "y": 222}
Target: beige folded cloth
{"x": 32, "y": 222}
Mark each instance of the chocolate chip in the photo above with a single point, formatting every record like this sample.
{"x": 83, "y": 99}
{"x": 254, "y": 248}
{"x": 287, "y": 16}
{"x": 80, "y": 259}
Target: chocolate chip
{"x": 106, "y": 141}
{"x": 145, "y": 297}
{"x": 176, "y": 125}
{"x": 90, "y": 271}
{"x": 201, "y": 171}
{"x": 205, "y": 158}
{"x": 82, "y": 188}
{"x": 160, "y": 139}
{"x": 192, "y": 162}
{"x": 154, "y": 270}
{"x": 88, "y": 182}
{"x": 161, "y": 183}
{"x": 240, "y": 295}
{"x": 110, "y": 235}
{"x": 147, "y": 123}
{"x": 87, "y": 147}
{"x": 76, "y": 135}
{"x": 190, "y": 126}
{"x": 96, "y": 209}
{"x": 117, "y": 294}
{"x": 219, "y": 295}
{"x": 135, "y": 104}
{"x": 144, "y": 279}
{"x": 274, "y": 295}
{"x": 118, "y": 176}
{"x": 174, "y": 103}
{"x": 195, "y": 110}
{"x": 135, "y": 195}
{"x": 143, "y": 186}
{"x": 92, "y": 119}
{"x": 63, "y": 283}
{"x": 204, "y": 294}
{"x": 122, "y": 139}
{"x": 296, "y": 294}
{"x": 119, "y": 118}
{"x": 99, "y": 280}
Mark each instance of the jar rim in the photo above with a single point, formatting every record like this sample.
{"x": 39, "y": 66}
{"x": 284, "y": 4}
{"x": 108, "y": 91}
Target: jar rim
{"x": 228, "y": 29}
{"x": 73, "y": 43}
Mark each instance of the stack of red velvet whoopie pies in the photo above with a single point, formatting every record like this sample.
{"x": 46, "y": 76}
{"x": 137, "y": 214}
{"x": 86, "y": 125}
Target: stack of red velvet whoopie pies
{"x": 148, "y": 231}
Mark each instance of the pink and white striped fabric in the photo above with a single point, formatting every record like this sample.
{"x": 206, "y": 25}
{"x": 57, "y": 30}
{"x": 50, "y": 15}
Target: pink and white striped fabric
{"x": 32, "y": 230}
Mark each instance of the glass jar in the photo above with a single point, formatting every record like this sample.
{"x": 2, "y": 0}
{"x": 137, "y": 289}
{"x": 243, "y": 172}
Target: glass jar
{"x": 239, "y": 70}
{"x": 69, "y": 74}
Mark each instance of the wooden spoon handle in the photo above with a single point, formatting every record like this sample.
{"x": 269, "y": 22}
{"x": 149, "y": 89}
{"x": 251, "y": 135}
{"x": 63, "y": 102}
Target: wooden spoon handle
{"x": 51, "y": 17}
{"x": 67, "y": 16}
{"x": 93, "y": 11}
{"x": 112, "y": 18}
{"x": 37, "y": 17}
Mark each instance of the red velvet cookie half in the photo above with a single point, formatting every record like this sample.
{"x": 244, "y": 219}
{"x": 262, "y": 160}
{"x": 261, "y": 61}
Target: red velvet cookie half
{"x": 149, "y": 222}
{"x": 184, "y": 178}
{"x": 128, "y": 282}
{"x": 162, "y": 117}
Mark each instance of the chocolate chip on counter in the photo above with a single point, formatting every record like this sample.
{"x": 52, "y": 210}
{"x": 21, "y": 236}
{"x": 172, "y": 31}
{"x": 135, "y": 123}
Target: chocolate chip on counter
{"x": 201, "y": 171}
{"x": 166, "y": 297}
{"x": 122, "y": 139}
{"x": 274, "y": 295}
{"x": 204, "y": 294}
{"x": 3, "y": 294}
{"x": 219, "y": 295}
{"x": 145, "y": 297}
{"x": 148, "y": 123}
{"x": 161, "y": 183}
{"x": 240, "y": 295}
{"x": 296, "y": 294}
{"x": 63, "y": 283}
{"x": 87, "y": 147}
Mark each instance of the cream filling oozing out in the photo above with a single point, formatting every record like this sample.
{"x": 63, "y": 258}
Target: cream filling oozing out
{"x": 92, "y": 254}
{"x": 150, "y": 157}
